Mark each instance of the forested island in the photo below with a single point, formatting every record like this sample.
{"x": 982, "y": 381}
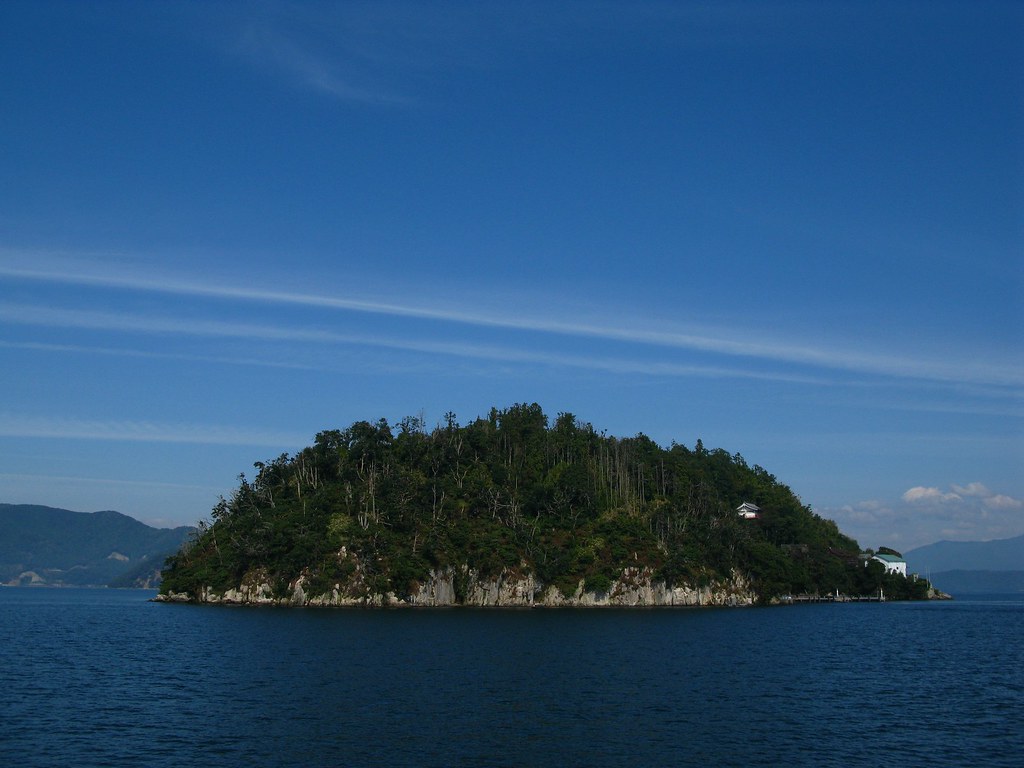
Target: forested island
{"x": 512, "y": 509}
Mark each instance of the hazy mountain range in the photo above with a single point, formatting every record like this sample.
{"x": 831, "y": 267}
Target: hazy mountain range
{"x": 47, "y": 546}
{"x": 971, "y": 566}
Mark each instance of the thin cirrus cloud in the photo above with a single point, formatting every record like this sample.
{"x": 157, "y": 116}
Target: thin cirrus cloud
{"x": 105, "y": 481}
{"x": 18, "y": 425}
{"x": 149, "y": 354}
{"x": 127, "y": 323}
{"x": 734, "y": 345}
{"x": 378, "y": 55}
{"x": 268, "y": 48}
{"x": 347, "y": 52}
{"x": 618, "y": 366}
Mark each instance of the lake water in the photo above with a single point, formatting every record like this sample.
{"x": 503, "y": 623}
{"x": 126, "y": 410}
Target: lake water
{"x": 106, "y": 678}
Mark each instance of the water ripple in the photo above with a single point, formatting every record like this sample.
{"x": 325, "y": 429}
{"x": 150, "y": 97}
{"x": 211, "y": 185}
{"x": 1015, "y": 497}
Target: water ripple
{"x": 104, "y": 678}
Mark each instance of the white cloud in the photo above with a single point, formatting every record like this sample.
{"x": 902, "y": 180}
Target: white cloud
{"x": 972, "y": 489}
{"x": 1003, "y": 502}
{"x": 923, "y": 515}
{"x": 921, "y": 494}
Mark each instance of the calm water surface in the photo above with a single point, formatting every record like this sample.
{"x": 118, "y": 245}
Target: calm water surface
{"x": 106, "y": 678}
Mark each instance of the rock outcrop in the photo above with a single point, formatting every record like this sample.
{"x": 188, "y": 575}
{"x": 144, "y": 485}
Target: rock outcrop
{"x": 464, "y": 586}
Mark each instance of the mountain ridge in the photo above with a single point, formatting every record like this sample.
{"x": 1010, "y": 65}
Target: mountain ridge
{"x": 60, "y": 547}
{"x": 992, "y": 555}
{"x": 959, "y": 583}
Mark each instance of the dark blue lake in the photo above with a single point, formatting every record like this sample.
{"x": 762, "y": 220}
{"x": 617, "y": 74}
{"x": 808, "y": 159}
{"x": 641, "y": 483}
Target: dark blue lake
{"x": 105, "y": 678}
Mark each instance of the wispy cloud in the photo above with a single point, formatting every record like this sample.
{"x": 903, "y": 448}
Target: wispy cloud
{"x": 106, "y": 481}
{"x": 371, "y": 52}
{"x": 270, "y": 47}
{"x": 383, "y": 54}
{"x": 738, "y": 344}
{"x": 129, "y": 323}
{"x": 148, "y": 354}
{"x": 19, "y": 425}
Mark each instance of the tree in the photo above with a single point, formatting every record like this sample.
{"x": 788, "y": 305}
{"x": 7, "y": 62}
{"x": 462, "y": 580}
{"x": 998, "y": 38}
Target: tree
{"x": 510, "y": 491}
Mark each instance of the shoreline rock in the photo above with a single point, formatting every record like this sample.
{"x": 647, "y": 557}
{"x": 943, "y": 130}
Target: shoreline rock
{"x": 463, "y": 587}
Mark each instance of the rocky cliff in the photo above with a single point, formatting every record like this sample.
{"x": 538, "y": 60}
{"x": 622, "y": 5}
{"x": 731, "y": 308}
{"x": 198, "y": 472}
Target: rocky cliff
{"x": 464, "y": 586}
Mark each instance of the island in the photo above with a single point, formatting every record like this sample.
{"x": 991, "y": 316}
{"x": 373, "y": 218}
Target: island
{"x": 513, "y": 509}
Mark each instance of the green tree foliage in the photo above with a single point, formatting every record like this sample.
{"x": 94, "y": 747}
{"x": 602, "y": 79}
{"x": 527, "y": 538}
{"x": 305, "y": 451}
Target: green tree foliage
{"x": 510, "y": 492}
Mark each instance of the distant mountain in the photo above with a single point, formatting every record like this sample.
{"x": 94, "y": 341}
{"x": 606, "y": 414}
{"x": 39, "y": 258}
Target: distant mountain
{"x": 978, "y": 582}
{"x": 45, "y": 545}
{"x": 996, "y": 555}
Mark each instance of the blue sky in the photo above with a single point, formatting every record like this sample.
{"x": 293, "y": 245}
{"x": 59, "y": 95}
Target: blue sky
{"x": 793, "y": 230}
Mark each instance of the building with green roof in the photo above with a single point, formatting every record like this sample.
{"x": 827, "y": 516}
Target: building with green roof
{"x": 892, "y": 563}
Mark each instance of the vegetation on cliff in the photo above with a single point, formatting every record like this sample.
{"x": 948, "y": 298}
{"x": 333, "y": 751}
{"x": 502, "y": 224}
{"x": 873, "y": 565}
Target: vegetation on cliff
{"x": 511, "y": 493}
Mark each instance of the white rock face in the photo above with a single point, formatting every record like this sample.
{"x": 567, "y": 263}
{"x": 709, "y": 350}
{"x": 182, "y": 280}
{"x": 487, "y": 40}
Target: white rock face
{"x": 634, "y": 587}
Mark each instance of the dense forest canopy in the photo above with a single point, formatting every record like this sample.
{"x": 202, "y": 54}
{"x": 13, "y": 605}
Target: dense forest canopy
{"x": 513, "y": 492}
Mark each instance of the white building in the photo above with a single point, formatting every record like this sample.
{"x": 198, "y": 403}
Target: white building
{"x": 748, "y": 511}
{"x": 892, "y": 564}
